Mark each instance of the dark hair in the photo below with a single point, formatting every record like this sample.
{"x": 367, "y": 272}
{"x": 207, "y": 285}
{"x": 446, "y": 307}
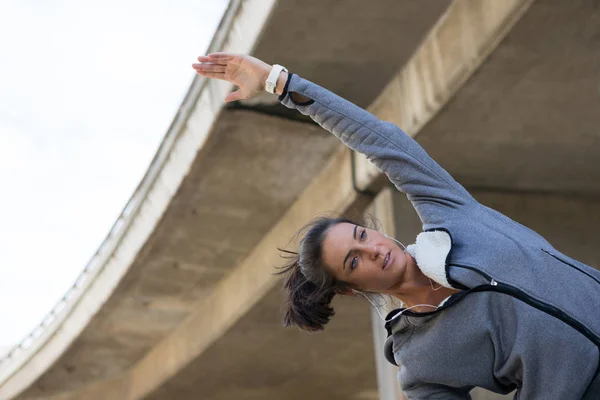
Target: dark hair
{"x": 310, "y": 286}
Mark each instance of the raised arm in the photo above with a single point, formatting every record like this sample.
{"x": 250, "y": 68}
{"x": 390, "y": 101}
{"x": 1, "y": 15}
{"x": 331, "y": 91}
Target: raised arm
{"x": 433, "y": 192}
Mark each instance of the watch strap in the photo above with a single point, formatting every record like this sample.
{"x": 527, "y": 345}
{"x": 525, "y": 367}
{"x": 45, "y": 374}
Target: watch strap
{"x": 271, "y": 82}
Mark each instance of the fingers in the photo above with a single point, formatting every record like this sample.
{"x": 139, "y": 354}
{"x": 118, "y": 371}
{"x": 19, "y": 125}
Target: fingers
{"x": 215, "y": 75}
{"x": 207, "y": 59}
{"x": 208, "y": 67}
{"x": 221, "y": 56}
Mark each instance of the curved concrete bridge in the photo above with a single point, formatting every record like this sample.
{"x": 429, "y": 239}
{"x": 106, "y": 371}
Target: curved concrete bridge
{"x": 180, "y": 301}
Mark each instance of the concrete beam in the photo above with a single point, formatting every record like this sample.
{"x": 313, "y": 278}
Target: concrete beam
{"x": 452, "y": 51}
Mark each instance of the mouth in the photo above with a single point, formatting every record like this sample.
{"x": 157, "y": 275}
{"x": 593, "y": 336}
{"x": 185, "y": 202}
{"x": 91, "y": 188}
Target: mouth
{"x": 386, "y": 260}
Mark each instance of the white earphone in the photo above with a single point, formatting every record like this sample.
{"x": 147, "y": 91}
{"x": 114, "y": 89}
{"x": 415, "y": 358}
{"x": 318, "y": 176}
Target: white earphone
{"x": 397, "y": 241}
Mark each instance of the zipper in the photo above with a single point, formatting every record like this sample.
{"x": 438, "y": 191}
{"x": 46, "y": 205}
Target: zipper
{"x": 495, "y": 286}
{"x": 570, "y": 265}
{"x": 548, "y": 309}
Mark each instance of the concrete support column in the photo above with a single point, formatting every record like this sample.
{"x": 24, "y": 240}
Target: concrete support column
{"x": 382, "y": 210}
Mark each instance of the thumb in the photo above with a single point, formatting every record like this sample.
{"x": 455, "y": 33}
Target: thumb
{"x": 233, "y": 96}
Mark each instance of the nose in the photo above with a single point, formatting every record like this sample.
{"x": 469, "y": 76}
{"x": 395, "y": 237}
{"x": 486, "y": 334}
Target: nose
{"x": 372, "y": 251}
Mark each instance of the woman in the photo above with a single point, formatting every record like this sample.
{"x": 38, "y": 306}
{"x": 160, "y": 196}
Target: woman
{"x": 489, "y": 302}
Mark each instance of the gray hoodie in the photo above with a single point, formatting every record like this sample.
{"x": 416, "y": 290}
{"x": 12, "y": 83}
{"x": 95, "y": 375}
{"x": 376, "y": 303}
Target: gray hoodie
{"x": 527, "y": 316}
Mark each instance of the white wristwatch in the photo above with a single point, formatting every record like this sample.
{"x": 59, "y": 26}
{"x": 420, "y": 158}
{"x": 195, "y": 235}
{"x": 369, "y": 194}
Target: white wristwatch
{"x": 271, "y": 82}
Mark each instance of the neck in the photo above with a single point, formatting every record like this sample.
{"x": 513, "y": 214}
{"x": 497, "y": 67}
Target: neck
{"x": 416, "y": 288}
{"x": 430, "y": 297}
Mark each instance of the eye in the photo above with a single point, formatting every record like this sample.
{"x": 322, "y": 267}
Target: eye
{"x": 363, "y": 235}
{"x": 353, "y": 263}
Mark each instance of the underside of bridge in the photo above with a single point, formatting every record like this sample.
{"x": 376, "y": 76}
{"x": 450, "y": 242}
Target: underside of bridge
{"x": 504, "y": 95}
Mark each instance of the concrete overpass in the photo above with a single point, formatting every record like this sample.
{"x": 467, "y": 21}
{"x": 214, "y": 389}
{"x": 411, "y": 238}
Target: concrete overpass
{"x": 179, "y": 302}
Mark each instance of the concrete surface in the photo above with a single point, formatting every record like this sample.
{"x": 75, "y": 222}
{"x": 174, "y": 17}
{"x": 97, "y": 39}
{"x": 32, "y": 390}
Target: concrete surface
{"x": 528, "y": 119}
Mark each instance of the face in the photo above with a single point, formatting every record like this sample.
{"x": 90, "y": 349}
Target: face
{"x": 364, "y": 258}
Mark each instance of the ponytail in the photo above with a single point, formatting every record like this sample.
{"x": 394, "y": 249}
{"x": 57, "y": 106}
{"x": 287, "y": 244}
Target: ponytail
{"x": 309, "y": 285}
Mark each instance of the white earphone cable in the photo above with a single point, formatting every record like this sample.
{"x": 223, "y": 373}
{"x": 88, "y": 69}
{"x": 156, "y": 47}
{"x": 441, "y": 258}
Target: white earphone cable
{"x": 396, "y": 315}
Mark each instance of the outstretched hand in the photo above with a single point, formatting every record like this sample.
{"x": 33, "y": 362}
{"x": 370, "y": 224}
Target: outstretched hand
{"x": 246, "y": 72}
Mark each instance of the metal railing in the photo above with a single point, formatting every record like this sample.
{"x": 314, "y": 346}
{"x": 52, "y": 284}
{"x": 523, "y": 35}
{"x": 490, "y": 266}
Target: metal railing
{"x": 83, "y": 280}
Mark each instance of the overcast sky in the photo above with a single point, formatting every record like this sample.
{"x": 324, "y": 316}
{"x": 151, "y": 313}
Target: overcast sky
{"x": 87, "y": 91}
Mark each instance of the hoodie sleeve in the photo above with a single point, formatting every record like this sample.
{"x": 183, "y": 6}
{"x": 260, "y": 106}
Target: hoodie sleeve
{"x": 432, "y": 191}
{"x": 415, "y": 389}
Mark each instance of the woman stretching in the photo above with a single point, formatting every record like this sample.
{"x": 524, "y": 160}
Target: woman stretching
{"x": 489, "y": 303}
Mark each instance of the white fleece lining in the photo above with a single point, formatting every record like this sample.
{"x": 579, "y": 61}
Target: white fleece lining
{"x": 430, "y": 252}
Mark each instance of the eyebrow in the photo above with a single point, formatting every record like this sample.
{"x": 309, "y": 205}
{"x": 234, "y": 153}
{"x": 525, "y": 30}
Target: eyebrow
{"x": 350, "y": 251}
